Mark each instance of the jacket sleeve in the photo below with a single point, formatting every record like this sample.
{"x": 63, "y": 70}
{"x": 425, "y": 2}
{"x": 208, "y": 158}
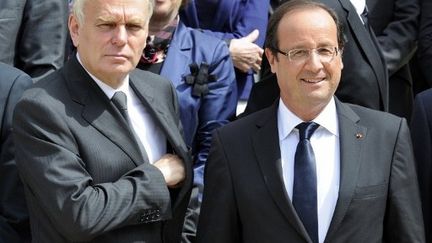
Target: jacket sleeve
{"x": 403, "y": 211}
{"x": 42, "y": 40}
{"x": 218, "y": 221}
{"x": 217, "y": 107}
{"x": 398, "y": 40}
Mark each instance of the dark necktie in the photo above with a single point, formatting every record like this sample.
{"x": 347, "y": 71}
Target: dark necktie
{"x": 305, "y": 181}
{"x": 120, "y": 101}
{"x": 364, "y": 17}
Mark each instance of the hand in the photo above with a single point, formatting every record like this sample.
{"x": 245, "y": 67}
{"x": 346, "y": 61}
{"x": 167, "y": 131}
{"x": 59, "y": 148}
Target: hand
{"x": 172, "y": 169}
{"x": 245, "y": 54}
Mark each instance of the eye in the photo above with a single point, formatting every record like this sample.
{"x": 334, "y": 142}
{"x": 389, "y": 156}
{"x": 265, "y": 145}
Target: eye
{"x": 133, "y": 27}
{"x": 299, "y": 53}
{"x": 107, "y": 26}
{"x": 325, "y": 51}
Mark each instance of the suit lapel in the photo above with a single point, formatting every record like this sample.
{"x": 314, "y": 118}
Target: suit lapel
{"x": 267, "y": 151}
{"x": 352, "y": 137}
{"x": 99, "y": 112}
{"x": 369, "y": 45}
{"x": 146, "y": 93}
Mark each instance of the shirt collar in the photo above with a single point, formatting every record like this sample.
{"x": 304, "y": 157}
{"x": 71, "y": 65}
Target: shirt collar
{"x": 327, "y": 119}
{"x": 359, "y": 6}
{"x": 108, "y": 90}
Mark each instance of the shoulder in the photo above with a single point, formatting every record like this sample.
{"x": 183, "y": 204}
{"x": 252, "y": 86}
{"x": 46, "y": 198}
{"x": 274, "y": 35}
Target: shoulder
{"x": 246, "y": 125}
{"x": 425, "y": 96}
{"x": 50, "y": 91}
{"x": 422, "y": 111}
{"x": 150, "y": 78}
{"x": 153, "y": 85}
{"x": 377, "y": 120}
{"x": 200, "y": 39}
{"x": 11, "y": 75}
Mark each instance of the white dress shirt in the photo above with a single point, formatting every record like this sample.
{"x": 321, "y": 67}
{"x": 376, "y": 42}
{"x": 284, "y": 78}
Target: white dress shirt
{"x": 149, "y": 133}
{"x": 359, "y": 5}
{"x": 325, "y": 143}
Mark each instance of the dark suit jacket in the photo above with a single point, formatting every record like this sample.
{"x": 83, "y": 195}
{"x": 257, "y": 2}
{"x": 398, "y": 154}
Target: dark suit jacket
{"x": 33, "y": 35}
{"x": 14, "y": 223}
{"x": 245, "y": 199}
{"x": 421, "y": 132}
{"x": 425, "y": 41}
{"x": 226, "y": 20}
{"x": 395, "y": 23}
{"x": 84, "y": 176}
{"x": 364, "y": 78}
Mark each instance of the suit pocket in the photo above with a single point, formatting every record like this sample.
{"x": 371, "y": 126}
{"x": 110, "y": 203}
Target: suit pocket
{"x": 369, "y": 192}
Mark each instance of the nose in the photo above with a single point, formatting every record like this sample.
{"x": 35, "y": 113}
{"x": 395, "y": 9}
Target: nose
{"x": 314, "y": 63}
{"x": 119, "y": 36}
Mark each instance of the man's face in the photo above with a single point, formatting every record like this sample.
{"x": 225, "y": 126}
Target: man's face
{"x": 111, "y": 38}
{"x": 306, "y": 86}
{"x": 166, "y": 9}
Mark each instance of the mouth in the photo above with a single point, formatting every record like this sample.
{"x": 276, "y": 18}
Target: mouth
{"x": 118, "y": 56}
{"x": 312, "y": 80}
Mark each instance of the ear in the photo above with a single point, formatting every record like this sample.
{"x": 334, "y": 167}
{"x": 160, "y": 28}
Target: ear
{"x": 74, "y": 29}
{"x": 341, "y": 63}
{"x": 272, "y": 59}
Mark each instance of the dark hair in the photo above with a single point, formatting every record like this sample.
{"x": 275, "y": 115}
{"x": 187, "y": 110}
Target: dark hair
{"x": 272, "y": 41}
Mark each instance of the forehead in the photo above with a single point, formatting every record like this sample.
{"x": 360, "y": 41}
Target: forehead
{"x": 117, "y": 9}
{"x": 307, "y": 24}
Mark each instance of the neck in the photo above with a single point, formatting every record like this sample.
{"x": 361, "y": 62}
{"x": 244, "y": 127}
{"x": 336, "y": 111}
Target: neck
{"x": 306, "y": 112}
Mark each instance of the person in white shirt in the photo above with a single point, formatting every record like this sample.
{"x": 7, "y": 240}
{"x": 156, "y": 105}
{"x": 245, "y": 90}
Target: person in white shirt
{"x": 310, "y": 168}
{"x": 99, "y": 144}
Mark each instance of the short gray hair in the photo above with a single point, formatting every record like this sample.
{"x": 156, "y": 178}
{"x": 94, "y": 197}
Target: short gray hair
{"x": 78, "y": 9}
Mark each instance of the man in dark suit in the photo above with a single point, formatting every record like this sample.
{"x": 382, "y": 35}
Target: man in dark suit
{"x": 421, "y": 132}
{"x": 395, "y": 23}
{"x": 364, "y": 79}
{"x": 14, "y": 223}
{"x": 33, "y": 35}
{"x": 99, "y": 145}
{"x": 352, "y": 176}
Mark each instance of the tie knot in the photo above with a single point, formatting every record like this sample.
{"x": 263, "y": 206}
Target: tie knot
{"x": 364, "y": 17}
{"x": 306, "y": 129}
{"x": 120, "y": 100}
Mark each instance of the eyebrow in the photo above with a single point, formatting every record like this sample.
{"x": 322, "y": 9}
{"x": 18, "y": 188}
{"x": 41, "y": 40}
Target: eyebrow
{"x": 114, "y": 19}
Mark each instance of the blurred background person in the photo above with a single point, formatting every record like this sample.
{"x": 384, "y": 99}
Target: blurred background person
{"x": 240, "y": 23}
{"x": 424, "y": 53}
{"x": 395, "y": 24}
{"x": 33, "y": 35}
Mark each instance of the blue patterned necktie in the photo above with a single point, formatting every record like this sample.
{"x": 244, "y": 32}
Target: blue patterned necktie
{"x": 305, "y": 181}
